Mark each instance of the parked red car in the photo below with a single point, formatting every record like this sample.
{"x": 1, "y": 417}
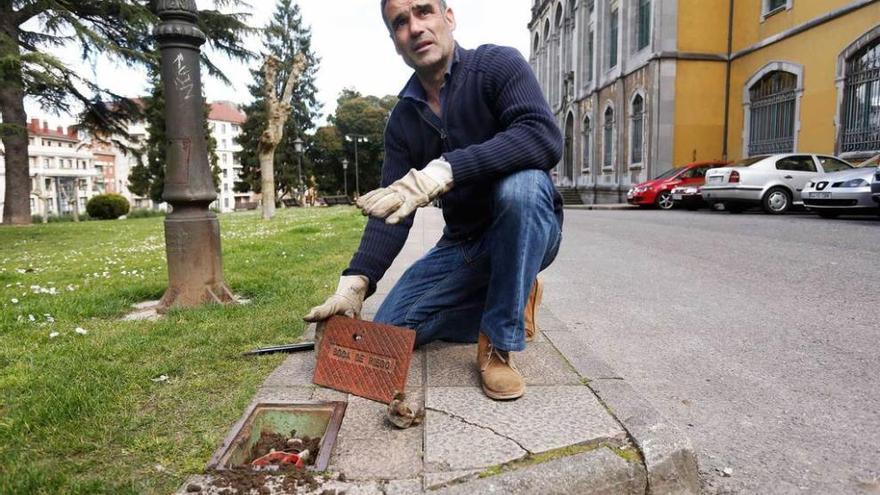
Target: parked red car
{"x": 658, "y": 192}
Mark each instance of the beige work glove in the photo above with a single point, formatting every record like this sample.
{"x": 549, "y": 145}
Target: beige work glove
{"x": 415, "y": 189}
{"x": 348, "y": 300}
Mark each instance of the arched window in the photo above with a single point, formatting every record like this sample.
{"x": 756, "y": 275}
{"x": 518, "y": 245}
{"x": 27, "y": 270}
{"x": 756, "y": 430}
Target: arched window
{"x": 587, "y": 145}
{"x": 568, "y": 150}
{"x": 608, "y": 139}
{"x": 773, "y": 113}
{"x": 637, "y": 129}
{"x": 861, "y": 101}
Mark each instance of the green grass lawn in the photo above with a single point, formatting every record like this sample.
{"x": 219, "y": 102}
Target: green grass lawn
{"x": 82, "y": 405}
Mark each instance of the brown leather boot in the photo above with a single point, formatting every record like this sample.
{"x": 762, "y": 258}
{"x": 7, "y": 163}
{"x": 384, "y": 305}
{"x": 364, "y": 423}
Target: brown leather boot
{"x": 531, "y": 310}
{"x": 501, "y": 380}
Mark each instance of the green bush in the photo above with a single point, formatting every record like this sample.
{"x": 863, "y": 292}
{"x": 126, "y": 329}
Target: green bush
{"x": 107, "y": 206}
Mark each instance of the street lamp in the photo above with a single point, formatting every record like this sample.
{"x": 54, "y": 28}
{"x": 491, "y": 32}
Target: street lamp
{"x": 298, "y": 147}
{"x": 356, "y": 138}
{"x": 345, "y": 174}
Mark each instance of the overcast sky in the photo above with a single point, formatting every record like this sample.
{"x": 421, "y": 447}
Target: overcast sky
{"x": 352, "y": 42}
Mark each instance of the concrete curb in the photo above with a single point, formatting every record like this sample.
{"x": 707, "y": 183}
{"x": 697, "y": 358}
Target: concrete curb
{"x": 591, "y": 473}
{"x": 669, "y": 457}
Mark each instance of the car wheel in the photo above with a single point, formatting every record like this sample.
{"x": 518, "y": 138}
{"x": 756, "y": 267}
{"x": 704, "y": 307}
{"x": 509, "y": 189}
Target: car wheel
{"x": 664, "y": 200}
{"x": 827, "y": 214}
{"x": 777, "y": 201}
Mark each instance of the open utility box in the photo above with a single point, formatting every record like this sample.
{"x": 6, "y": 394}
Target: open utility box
{"x": 314, "y": 419}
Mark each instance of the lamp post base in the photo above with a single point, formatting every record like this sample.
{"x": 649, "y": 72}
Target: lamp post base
{"x": 195, "y": 272}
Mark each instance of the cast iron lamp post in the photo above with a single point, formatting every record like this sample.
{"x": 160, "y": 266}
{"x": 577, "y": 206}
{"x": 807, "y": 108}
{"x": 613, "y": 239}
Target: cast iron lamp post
{"x": 345, "y": 174}
{"x": 298, "y": 147}
{"x": 356, "y": 138}
{"x": 192, "y": 232}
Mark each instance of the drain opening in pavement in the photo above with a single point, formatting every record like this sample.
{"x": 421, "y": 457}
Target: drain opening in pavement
{"x": 276, "y": 434}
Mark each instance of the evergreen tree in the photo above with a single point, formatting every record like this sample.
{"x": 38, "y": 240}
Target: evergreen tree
{"x": 284, "y": 37}
{"x": 119, "y": 30}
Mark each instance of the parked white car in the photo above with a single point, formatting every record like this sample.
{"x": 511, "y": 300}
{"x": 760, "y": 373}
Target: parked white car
{"x": 840, "y": 193}
{"x": 774, "y": 182}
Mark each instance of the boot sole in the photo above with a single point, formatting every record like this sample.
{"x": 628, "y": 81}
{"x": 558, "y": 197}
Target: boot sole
{"x": 503, "y": 396}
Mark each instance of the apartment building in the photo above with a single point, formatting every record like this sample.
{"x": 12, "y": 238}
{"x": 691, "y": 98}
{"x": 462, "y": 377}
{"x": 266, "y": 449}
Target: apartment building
{"x": 225, "y": 120}
{"x": 640, "y": 86}
{"x": 62, "y": 170}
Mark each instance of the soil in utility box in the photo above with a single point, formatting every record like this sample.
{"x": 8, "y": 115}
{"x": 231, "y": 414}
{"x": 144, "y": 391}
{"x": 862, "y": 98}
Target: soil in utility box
{"x": 287, "y": 478}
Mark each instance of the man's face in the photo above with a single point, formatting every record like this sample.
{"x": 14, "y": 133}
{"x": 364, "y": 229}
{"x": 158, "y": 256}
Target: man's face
{"x": 421, "y": 32}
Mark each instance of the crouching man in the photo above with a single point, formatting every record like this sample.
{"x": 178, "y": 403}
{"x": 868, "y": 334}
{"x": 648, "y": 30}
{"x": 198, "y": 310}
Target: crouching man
{"x": 473, "y": 129}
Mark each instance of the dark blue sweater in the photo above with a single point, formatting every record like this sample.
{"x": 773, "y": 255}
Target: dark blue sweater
{"x": 495, "y": 121}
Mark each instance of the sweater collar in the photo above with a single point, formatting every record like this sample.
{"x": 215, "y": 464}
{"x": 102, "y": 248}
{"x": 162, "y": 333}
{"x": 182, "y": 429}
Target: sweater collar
{"x": 414, "y": 89}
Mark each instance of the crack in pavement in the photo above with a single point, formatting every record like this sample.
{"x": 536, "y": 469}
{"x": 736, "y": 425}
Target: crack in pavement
{"x": 455, "y": 416}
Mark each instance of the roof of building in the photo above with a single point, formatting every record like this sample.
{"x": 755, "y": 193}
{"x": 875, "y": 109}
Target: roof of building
{"x": 34, "y": 129}
{"x": 226, "y": 111}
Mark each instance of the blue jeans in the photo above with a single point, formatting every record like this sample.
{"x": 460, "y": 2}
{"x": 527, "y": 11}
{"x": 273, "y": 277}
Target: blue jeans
{"x": 482, "y": 284}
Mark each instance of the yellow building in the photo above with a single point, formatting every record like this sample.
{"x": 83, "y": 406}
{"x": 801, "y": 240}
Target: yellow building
{"x": 640, "y": 86}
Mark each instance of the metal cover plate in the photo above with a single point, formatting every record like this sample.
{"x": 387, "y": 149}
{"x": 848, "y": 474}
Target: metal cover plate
{"x": 364, "y": 358}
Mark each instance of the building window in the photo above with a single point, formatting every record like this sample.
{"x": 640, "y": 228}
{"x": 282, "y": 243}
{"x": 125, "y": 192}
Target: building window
{"x": 772, "y": 114}
{"x": 590, "y": 50}
{"x": 612, "y": 37}
{"x": 568, "y": 148}
{"x": 861, "y": 100}
{"x": 637, "y": 129}
{"x": 608, "y": 140}
{"x": 587, "y": 148}
{"x": 643, "y": 24}
{"x": 226, "y": 187}
{"x": 774, "y": 6}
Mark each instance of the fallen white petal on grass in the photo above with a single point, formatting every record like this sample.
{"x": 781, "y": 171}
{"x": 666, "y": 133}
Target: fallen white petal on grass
{"x": 81, "y": 330}
{"x": 13, "y": 300}
{"x": 160, "y": 378}
{"x": 53, "y": 335}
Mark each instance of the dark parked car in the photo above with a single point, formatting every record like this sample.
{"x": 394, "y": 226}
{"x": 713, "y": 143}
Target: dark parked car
{"x": 688, "y": 197}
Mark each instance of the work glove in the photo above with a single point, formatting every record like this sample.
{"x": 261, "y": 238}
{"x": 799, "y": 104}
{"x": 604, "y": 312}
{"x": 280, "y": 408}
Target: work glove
{"x": 348, "y": 300}
{"x": 415, "y": 189}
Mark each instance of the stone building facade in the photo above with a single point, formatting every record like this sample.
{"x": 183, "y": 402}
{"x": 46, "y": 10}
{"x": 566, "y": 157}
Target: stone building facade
{"x": 597, "y": 63}
{"x": 641, "y": 86}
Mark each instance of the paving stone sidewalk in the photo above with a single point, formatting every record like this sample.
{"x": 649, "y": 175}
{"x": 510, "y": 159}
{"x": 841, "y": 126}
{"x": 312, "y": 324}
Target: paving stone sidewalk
{"x": 579, "y": 429}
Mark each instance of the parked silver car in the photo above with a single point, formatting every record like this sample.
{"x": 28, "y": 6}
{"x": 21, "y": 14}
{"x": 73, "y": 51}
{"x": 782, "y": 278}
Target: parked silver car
{"x": 773, "y": 182}
{"x": 838, "y": 193}
{"x": 875, "y": 186}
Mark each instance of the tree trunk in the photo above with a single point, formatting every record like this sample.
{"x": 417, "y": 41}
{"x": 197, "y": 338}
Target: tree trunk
{"x": 16, "y": 208}
{"x": 277, "y": 111}
{"x": 267, "y": 176}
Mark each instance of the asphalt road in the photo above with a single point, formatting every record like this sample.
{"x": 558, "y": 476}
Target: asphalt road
{"x": 757, "y": 335}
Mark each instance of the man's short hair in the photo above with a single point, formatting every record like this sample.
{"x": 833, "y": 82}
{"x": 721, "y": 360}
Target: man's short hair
{"x": 385, "y": 2}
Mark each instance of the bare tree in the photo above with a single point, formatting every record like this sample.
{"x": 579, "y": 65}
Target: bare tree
{"x": 277, "y": 111}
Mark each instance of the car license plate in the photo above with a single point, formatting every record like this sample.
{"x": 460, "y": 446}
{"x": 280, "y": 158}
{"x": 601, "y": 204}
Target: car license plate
{"x": 715, "y": 178}
{"x": 677, "y": 196}
{"x": 819, "y": 195}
